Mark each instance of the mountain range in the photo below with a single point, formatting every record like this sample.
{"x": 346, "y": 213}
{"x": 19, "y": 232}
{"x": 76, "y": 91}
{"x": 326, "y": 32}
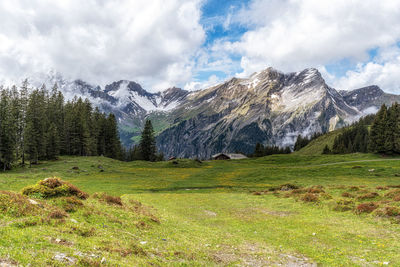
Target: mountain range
{"x": 269, "y": 107}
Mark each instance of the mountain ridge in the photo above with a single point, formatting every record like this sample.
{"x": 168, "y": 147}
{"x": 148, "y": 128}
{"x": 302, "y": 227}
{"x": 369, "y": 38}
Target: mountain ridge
{"x": 269, "y": 107}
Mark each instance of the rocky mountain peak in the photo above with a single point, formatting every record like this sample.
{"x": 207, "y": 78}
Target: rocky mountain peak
{"x": 269, "y": 107}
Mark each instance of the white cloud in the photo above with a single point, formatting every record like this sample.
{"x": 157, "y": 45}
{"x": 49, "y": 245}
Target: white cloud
{"x": 294, "y": 34}
{"x": 386, "y": 75}
{"x": 198, "y": 85}
{"x": 149, "y": 41}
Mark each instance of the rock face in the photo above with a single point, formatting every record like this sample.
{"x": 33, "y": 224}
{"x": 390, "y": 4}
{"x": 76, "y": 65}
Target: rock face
{"x": 269, "y": 107}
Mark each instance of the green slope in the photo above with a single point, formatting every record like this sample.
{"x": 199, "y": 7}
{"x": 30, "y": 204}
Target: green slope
{"x": 316, "y": 146}
{"x": 206, "y": 214}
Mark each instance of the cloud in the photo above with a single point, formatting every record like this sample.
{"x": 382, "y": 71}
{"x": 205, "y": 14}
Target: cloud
{"x": 149, "y": 41}
{"x": 294, "y": 34}
{"x": 383, "y": 71}
{"x": 198, "y": 85}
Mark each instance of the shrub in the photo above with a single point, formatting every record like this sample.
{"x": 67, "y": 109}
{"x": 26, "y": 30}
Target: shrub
{"x": 315, "y": 190}
{"x": 108, "y": 199}
{"x": 370, "y": 195}
{"x": 354, "y": 188}
{"x": 343, "y": 205}
{"x": 71, "y": 204}
{"x": 57, "y": 214}
{"x": 309, "y": 197}
{"x": 366, "y": 207}
{"x": 287, "y": 187}
{"x": 347, "y": 194}
{"x": 298, "y": 191}
{"x": 393, "y": 193}
{"x": 387, "y": 212}
{"x": 396, "y": 197}
{"x": 382, "y": 188}
{"x": 53, "y": 187}
{"x": 17, "y": 205}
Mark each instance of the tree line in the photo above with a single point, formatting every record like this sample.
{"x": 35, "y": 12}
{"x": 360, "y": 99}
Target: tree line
{"x": 379, "y": 133}
{"x": 37, "y": 124}
{"x": 304, "y": 141}
{"x": 262, "y": 151}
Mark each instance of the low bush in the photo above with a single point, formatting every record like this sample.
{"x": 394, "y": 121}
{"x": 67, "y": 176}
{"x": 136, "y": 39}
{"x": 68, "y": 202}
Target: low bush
{"x": 347, "y": 194}
{"x": 287, "y": 187}
{"x": 354, "y": 188}
{"x": 343, "y": 205}
{"x": 309, "y": 197}
{"x": 382, "y": 188}
{"x": 315, "y": 190}
{"x": 393, "y": 193}
{"x": 387, "y": 212}
{"x": 369, "y": 195}
{"x": 284, "y": 187}
{"x": 57, "y": 214}
{"x": 298, "y": 191}
{"x": 17, "y": 205}
{"x": 108, "y": 199}
{"x": 366, "y": 207}
{"x": 53, "y": 187}
{"x": 71, "y": 204}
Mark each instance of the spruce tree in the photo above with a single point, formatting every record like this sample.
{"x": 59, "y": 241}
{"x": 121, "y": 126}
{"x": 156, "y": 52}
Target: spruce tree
{"x": 378, "y": 131}
{"x": 148, "y": 143}
{"x": 7, "y": 132}
{"x": 259, "y": 150}
{"x": 53, "y": 142}
{"x": 326, "y": 150}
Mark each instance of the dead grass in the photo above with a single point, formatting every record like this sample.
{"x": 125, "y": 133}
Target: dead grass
{"x": 17, "y": 205}
{"x": 57, "y": 214}
{"x": 347, "y": 194}
{"x": 53, "y": 187}
{"x": 382, "y": 188}
{"x": 309, "y": 197}
{"x": 112, "y": 200}
{"x": 387, "y": 212}
{"x": 354, "y": 188}
{"x": 370, "y": 195}
{"x": 393, "y": 193}
{"x": 366, "y": 207}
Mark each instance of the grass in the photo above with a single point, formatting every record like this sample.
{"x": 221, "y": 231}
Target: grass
{"x": 316, "y": 146}
{"x": 206, "y": 214}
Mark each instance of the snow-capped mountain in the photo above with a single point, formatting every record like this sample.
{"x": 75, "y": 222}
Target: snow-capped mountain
{"x": 269, "y": 107}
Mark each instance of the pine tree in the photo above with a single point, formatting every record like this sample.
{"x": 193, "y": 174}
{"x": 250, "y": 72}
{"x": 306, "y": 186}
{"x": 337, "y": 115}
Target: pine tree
{"x": 148, "y": 143}
{"x": 112, "y": 141}
{"x": 378, "y": 131}
{"x": 34, "y": 140}
{"x": 259, "y": 150}
{"x": 53, "y": 142}
{"x": 7, "y": 132}
{"x": 23, "y": 104}
{"x": 326, "y": 150}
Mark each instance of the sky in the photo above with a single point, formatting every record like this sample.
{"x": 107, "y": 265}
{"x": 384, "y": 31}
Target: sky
{"x": 194, "y": 44}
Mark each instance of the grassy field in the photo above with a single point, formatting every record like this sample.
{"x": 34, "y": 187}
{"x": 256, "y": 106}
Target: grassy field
{"x": 210, "y": 214}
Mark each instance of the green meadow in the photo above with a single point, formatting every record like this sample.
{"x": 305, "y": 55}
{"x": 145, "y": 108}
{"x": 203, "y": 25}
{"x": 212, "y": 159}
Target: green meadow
{"x": 290, "y": 210}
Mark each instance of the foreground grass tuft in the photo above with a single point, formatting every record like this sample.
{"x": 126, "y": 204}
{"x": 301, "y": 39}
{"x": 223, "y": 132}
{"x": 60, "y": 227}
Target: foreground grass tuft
{"x": 53, "y": 187}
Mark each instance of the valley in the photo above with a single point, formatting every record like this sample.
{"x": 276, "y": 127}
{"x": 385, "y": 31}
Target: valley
{"x": 211, "y": 213}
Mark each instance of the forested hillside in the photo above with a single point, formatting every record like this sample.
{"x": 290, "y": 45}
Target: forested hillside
{"x": 37, "y": 124}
